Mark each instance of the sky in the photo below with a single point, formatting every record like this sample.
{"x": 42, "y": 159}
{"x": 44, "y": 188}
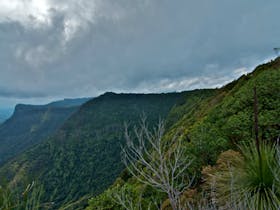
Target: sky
{"x": 53, "y": 49}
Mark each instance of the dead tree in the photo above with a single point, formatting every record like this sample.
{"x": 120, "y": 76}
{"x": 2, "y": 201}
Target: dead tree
{"x": 160, "y": 163}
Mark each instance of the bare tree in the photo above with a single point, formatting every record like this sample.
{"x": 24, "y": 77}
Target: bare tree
{"x": 160, "y": 163}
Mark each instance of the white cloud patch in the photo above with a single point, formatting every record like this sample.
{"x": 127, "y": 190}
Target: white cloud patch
{"x": 28, "y": 12}
{"x": 241, "y": 71}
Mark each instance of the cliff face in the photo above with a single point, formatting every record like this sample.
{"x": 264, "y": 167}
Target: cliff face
{"x": 29, "y": 125}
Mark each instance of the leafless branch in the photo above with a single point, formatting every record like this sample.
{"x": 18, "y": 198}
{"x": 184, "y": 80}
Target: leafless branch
{"x": 160, "y": 163}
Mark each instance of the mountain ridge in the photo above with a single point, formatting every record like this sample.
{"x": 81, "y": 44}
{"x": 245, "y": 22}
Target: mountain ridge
{"x": 30, "y": 124}
{"x": 83, "y": 157}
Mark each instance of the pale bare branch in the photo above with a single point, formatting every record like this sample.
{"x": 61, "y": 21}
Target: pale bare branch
{"x": 158, "y": 162}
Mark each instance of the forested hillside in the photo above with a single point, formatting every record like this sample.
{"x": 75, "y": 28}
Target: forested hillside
{"x": 83, "y": 157}
{"x": 210, "y": 127}
{"x": 30, "y": 124}
{"x": 139, "y": 105}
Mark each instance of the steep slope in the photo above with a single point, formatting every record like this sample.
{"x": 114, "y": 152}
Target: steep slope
{"x": 5, "y": 113}
{"x": 30, "y": 124}
{"x": 227, "y": 119}
{"x": 213, "y": 125}
{"x": 83, "y": 157}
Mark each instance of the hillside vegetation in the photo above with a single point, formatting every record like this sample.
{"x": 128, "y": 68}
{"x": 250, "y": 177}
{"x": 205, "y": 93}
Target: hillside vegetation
{"x": 31, "y": 124}
{"x": 212, "y": 126}
{"x": 83, "y": 157}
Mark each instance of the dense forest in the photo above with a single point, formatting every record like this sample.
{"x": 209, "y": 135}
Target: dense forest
{"x": 80, "y": 166}
{"x": 208, "y": 129}
{"x": 31, "y": 124}
{"x": 83, "y": 157}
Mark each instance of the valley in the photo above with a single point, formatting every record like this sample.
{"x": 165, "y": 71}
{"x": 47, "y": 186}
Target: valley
{"x": 75, "y": 153}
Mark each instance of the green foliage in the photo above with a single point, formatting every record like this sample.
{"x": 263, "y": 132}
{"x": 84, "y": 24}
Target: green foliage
{"x": 221, "y": 122}
{"x": 83, "y": 157}
{"x": 252, "y": 180}
{"x": 224, "y": 119}
{"x": 27, "y": 200}
{"x": 28, "y": 126}
{"x": 132, "y": 193}
{"x": 188, "y": 107}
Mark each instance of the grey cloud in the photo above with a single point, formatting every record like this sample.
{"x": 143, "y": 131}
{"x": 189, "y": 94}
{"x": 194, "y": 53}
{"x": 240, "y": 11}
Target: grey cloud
{"x": 144, "y": 45}
{"x": 20, "y": 94}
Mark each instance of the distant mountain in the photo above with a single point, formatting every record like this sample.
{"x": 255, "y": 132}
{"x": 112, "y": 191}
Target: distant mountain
{"x": 5, "y": 113}
{"x": 30, "y": 124}
{"x": 83, "y": 157}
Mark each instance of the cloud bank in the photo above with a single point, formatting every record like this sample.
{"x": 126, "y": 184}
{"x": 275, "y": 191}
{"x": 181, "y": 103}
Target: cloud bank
{"x": 51, "y": 49}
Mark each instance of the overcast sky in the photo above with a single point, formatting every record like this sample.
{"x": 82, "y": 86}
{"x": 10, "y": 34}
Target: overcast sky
{"x": 51, "y": 49}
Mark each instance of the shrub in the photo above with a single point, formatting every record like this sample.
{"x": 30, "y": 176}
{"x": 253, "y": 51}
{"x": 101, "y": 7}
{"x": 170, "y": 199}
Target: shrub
{"x": 251, "y": 180}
